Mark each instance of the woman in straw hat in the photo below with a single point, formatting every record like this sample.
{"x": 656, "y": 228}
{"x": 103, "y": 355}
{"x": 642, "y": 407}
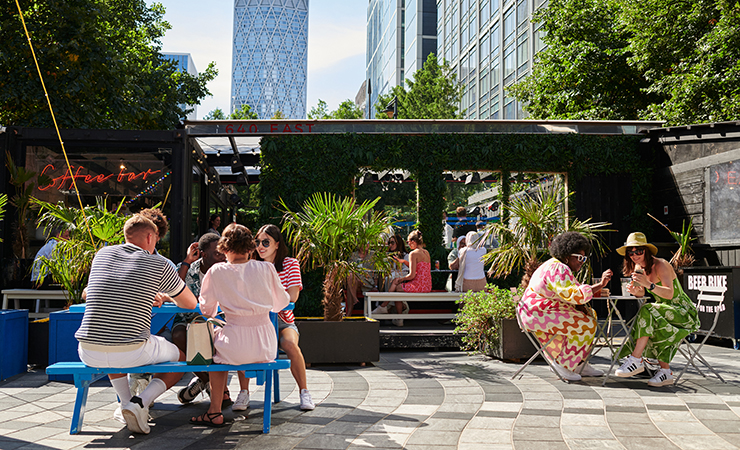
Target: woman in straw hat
{"x": 660, "y": 326}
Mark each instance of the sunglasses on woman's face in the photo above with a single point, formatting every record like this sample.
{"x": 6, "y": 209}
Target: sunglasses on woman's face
{"x": 264, "y": 242}
{"x": 636, "y": 251}
{"x": 580, "y": 258}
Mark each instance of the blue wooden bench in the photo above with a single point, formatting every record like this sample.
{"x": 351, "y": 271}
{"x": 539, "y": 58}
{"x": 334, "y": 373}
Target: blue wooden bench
{"x": 265, "y": 373}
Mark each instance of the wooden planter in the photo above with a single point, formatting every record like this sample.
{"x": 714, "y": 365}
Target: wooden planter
{"x": 350, "y": 341}
{"x": 14, "y": 342}
{"x": 514, "y": 344}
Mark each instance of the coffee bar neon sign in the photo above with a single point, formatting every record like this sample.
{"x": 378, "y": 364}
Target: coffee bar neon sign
{"x": 106, "y": 177}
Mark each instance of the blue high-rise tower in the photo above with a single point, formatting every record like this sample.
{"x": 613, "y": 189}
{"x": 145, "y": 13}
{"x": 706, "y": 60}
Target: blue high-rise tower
{"x": 270, "y": 57}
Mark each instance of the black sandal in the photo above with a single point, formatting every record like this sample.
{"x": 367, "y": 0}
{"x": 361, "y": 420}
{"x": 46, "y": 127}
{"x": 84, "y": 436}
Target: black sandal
{"x": 226, "y": 402}
{"x": 207, "y": 420}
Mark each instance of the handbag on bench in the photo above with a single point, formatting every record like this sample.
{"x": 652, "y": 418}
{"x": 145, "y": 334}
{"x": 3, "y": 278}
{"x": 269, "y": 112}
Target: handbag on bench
{"x": 200, "y": 340}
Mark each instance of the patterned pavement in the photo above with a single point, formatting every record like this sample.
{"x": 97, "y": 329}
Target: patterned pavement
{"x": 412, "y": 400}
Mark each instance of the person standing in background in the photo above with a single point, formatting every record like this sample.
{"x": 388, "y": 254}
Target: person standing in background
{"x": 447, "y": 230}
{"x": 213, "y": 223}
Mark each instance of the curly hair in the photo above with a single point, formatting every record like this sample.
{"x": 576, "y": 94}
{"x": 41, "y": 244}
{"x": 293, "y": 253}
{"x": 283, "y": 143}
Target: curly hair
{"x": 568, "y": 243}
{"x": 159, "y": 219}
{"x": 236, "y": 238}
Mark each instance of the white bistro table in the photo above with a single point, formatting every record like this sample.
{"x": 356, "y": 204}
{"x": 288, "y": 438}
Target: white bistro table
{"x": 31, "y": 294}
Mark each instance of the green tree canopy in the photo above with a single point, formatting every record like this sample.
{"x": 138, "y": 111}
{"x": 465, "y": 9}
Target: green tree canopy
{"x": 320, "y": 111}
{"x": 244, "y": 112}
{"x": 216, "y": 114}
{"x": 637, "y": 59}
{"x": 347, "y": 110}
{"x": 101, "y": 64}
{"x": 434, "y": 93}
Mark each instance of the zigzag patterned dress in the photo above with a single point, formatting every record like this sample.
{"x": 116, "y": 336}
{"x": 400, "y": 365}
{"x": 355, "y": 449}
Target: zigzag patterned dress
{"x": 548, "y": 308}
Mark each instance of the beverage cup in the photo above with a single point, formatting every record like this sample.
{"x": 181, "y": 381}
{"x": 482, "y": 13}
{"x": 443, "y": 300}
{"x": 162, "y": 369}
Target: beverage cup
{"x": 436, "y": 264}
{"x": 597, "y": 291}
{"x": 625, "y": 282}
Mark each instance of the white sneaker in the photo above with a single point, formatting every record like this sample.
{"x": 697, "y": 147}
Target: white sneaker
{"x": 631, "y": 366}
{"x": 397, "y": 322}
{"x": 663, "y": 377}
{"x": 306, "y": 402}
{"x": 136, "y": 416}
{"x": 565, "y": 373}
{"x": 380, "y": 310}
{"x": 587, "y": 370}
{"x": 118, "y": 415}
{"x": 242, "y": 401}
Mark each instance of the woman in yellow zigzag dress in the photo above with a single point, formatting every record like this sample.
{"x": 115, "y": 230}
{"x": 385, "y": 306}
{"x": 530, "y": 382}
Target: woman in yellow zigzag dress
{"x": 554, "y": 305}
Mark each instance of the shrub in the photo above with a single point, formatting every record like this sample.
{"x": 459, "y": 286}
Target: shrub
{"x": 478, "y": 319}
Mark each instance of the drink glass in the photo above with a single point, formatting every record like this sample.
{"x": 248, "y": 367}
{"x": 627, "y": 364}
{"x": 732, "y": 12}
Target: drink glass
{"x": 597, "y": 292}
{"x": 625, "y": 282}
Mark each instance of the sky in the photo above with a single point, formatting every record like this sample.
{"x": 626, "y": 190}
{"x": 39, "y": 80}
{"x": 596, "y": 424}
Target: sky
{"x": 336, "y": 46}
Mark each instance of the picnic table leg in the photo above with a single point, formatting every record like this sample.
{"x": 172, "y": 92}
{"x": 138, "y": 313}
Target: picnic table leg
{"x": 267, "y": 414}
{"x": 276, "y": 383}
{"x": 82, "y": 382}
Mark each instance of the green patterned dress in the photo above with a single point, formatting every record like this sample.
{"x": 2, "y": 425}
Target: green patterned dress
{"x": 666, "y": 322}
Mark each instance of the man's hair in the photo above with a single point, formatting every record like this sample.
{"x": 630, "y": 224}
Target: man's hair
{"x": 206, "y": 240}
{"x": 159, "y": 219}
{"x": 138, "y": 224}
{"x": 461, "y": 211}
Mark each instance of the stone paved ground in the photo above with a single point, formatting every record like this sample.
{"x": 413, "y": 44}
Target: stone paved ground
{"x": 414, "y": 400}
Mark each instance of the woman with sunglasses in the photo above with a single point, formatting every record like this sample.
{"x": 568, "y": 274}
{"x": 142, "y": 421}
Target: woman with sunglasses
{"x": 661, "y": 326}
{"x": 397, "y": 251}
{"x": 553, "y": 307}
{"x": 271, "y": 248}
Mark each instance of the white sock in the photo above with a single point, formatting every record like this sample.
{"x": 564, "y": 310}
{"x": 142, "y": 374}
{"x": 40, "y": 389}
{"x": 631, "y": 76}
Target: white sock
{"x": 155, "y": 388}
{"x": 122, "y": 389}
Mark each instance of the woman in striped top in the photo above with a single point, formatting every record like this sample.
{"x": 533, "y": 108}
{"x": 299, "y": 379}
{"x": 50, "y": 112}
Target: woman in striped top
{"x": 271, "y": 247}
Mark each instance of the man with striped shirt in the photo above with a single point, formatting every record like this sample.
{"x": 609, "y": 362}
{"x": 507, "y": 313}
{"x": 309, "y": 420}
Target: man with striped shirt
{"x": 125, "y": 282}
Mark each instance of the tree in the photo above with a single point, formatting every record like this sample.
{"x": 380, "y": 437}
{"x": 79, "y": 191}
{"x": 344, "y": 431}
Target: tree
{"x": 433, "y": 94}
{"x": 101, "y": 65}
{"x": 278, "y": 115}
{"x": 347, "y": 110}
{"x": 216, "y": 114}
{"x": 677, "y": 62}
{"x": 244, "y": 112}
{"x": 319, "y": 112}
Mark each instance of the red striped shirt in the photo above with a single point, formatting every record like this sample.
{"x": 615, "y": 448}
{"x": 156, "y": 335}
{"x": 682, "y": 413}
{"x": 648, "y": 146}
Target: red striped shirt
{"x": 290, "y": 276}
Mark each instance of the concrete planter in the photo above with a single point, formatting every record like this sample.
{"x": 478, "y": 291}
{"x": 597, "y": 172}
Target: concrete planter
{"x": 14, "y": 342}
{"x": 350, "y": 341}
{"x": 513, "y": 345}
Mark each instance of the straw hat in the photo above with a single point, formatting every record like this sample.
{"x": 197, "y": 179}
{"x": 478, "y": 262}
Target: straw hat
{"x": 637, "y": 240}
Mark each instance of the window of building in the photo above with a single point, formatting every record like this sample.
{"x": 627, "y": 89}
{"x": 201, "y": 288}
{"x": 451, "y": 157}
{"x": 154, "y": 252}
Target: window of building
{"x": 484, "y": 13}
{"x": 485, "y": 49}
{"x": 495, "y": 41}
{"x": 510, "y": 108}
{"x": 522, "y": 53}
{"x": 464, "y": 38}
{"x": 472, "y": 64}
{"x": 509, "y": 27}
{"x": 495, "y": 73}
{"x": 485, "y": 84}
{"x": 494, "y": 114}
{"x": 539, "y": 43}
{"x": 522, "y": 14}
{"x": 509, "y": 64}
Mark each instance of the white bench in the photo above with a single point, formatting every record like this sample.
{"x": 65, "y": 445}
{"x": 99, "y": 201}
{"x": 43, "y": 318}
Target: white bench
{"x": 410, "y": 297}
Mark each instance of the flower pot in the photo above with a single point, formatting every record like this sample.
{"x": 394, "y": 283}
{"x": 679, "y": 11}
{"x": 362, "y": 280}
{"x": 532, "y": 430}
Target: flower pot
{"x": 349, "y": 341}
{"x": 514, "y": 344}
{"x": 14, "y": 342}
{"x": 62, "y": 342}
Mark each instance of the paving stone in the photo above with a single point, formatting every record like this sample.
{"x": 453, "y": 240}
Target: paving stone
{"x": 537, "y": 434}
{"x": 633, "y": 429}
{"x": 646, "y": 443}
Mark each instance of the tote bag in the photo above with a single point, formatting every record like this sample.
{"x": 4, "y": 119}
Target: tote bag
{"x": 200, "y": 341}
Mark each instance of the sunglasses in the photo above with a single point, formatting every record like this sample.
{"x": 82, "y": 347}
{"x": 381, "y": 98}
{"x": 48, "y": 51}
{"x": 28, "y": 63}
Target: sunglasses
{"x": 637, "y": 251}
{"x": 264, "y": 242}
{"x": 580, "y": 258}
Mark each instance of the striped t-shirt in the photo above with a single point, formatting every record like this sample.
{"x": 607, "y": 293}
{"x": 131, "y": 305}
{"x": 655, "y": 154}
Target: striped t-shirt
{"x": 290, "y": 276}
{"x": 123, "y": 282}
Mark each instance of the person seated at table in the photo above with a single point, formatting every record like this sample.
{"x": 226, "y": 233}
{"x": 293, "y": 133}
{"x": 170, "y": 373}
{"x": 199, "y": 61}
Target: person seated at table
{"x": 419, "y": 278}
{"x": 554, "y": 305}
{"x": 46, "y": 252}
{"x": 246, "y": 290}
{"x": 125, "y": 281}
{"x": 201, "y": 256}
{"x": 471, "y": 275}
{"x": 360, "y": 283}
{"x": 661, "y": 326}
{"x": 397, "y": 251}
{"x": 453, "y": 261}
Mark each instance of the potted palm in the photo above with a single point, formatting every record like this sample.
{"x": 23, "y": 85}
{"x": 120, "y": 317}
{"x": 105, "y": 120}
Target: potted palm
{"x": 325, "y": 235}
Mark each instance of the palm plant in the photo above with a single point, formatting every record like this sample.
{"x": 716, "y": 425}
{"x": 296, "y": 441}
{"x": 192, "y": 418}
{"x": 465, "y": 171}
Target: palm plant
{"x": 89, "y": 230}
{"x": 22, "y": 179}
{"x": 683, "y": 256}
{"x": 327, "y": 233}
{"x": 536, "y": 218}
{"x": 3, "y": 202}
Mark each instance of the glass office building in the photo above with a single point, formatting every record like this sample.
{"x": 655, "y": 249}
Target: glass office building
{"x": 270, "y": 57}
{"x": 184, "y": 62}
{"x": 490, "y": 44}
{"x": 400, "y": 36}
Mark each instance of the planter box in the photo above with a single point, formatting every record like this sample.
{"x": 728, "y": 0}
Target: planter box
{"x": 62, "y": 342}
{"x": 14, "y": 342}
{"x": 514, "y": 344}
{"x": 38, "y": 343}
{"x": 350, "y": 341}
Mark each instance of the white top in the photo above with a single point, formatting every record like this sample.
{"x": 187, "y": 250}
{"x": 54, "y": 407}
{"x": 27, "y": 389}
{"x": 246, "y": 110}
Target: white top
{"x": 474, "y": 269}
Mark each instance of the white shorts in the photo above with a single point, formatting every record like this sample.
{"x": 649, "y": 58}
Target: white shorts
{"x": 154, "y": 351}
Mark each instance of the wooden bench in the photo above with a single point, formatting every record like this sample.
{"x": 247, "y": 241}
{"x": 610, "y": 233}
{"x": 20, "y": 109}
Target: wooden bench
{"x": 410, "y": 297}
{"x": 84, "y": 376}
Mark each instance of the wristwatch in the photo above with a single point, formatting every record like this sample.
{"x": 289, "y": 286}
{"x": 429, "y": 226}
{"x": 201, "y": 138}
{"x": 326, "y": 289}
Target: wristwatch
{"x": 652, "y": 286}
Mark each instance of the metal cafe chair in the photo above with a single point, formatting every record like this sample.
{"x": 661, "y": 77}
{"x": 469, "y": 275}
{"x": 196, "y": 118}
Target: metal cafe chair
{"x": 541, "y": 349}
{"x": 712, "y": 297}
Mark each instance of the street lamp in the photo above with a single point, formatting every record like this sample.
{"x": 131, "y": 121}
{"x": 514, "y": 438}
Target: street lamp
{"x": 391, "y": 108}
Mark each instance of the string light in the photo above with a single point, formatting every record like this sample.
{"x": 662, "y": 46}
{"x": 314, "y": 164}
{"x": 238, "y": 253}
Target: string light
{"x": 151, "y": 187}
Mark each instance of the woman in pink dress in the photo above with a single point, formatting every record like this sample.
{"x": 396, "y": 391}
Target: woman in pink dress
{"x": 246, "y": 290}
{"x": 419, "y": 278}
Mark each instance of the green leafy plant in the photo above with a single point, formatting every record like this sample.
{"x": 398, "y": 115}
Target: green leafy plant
{"x": 3, "y": 202}
{"x": 71, "y": 258}
{"x": 683, "y": 256}
{"x": 536, "y": 219}
{"x": 479, "y": 319}
{"x": 327, "y": 232}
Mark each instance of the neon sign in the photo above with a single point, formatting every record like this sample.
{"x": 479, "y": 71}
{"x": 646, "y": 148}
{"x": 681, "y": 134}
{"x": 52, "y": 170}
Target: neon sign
{"x": 101, "y": 177}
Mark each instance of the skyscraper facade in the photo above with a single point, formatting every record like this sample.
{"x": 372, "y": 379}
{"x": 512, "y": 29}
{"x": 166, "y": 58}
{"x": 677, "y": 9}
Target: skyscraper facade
{"x": 270, "y": 57}
{"x": 184, "y": 62}
{"x": 490, "y": 44}
{"x": 400, "y": 36}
